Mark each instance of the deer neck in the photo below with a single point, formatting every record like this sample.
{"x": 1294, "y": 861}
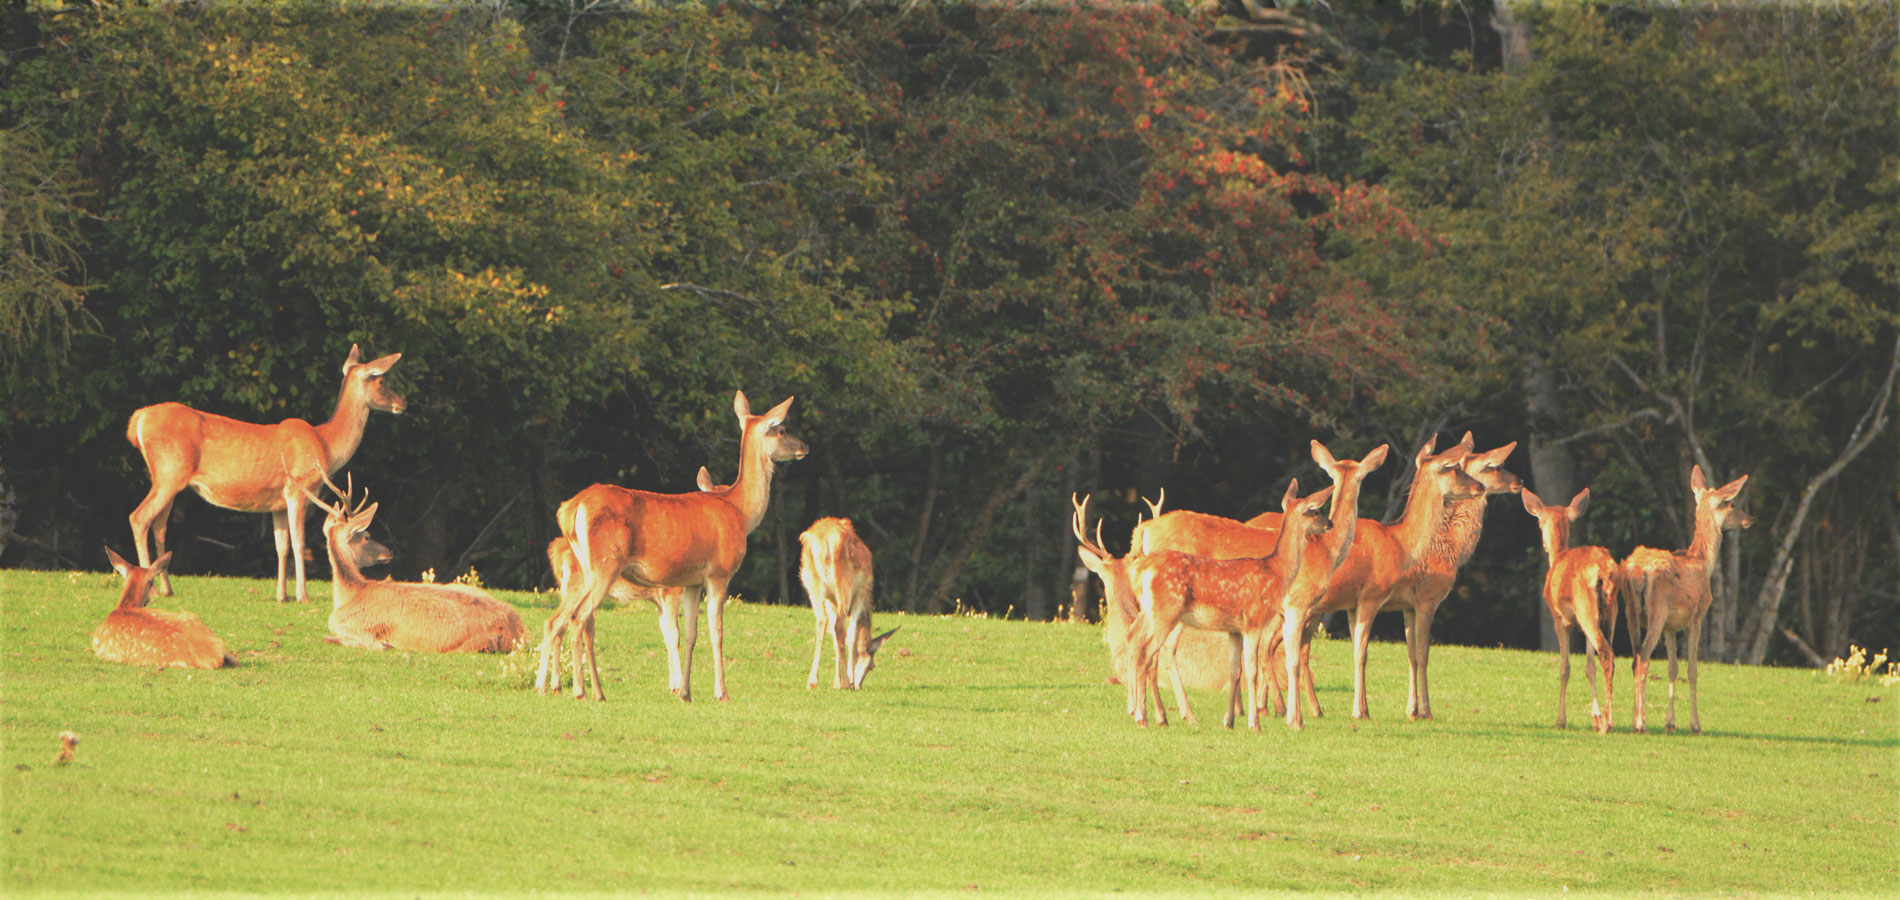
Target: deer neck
{"x": 1556, "y": 535}
{"x": 1708, "y": 538}
{"x": 1420, "y": 530}
{"x": 1464, "y": 524}
{"x": 344, "y": 431}
{"x": 752, "y": 489}
{"x": 345, "y": 577}
{"x": 1345, "y": 513}
{"x": 1290, "y": 549}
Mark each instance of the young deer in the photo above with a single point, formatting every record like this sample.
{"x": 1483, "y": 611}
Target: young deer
{"x": 252, "y": 468}
{"x": 1122, "y": 628}
{"x": 568, "y": 577}
{"x": 1242, "y": 597}
{"x": 1580, "y": 589}
{"x": 692, "y": 541}
{"x": 1437, "y": 571}
{"x": 1218, "y": 538}
{"x": 835, "y": 567}
{"x": 137, "y": 635}
{"x": 1665, "y": 593}
{"x": 381, "y": 615}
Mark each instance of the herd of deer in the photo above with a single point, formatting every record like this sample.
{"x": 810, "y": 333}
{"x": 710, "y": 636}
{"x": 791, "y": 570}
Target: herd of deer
{"x": 1266, "y": 583}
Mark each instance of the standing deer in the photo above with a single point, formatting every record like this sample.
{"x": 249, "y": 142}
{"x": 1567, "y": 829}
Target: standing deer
{"x": 252, "y": 468}
{"x": 382, "y": 615}
{"x": 1122, "y": 629}
{"x": 1431, "y": 582}
{"x": 1580, "y": 589}
{"x": 1242, "y": 597}
{"x": 1382, "y": 557}
{"x": 567, "y": 575}
{"x": 1219, "y": 538}
{"x": 138, "y": 635}
{"x": 835, "y": 567}
{"x": 693, "y": 541}
{"x": 1665, "y": 593}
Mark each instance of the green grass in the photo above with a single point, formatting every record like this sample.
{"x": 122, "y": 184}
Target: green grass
{"x": 983, "y": 756}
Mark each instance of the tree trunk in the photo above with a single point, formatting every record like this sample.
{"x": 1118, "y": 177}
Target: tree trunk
{"x": 1035, "y": 592}
{"x": 1552, "y": 469}
{"x": 952, "y": 567}
{"x": 913, "y": 598}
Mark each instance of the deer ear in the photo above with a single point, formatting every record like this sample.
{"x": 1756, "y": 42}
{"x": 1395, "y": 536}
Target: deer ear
{"x": 1291, "y": 496}
{"x": 1733, "y": 487}
{"x": 356, "y": 356}
{"x": 1696, "y": 482}
{"x": 1323, "y": 456}
{"x": 119, "y": 564}
{"x": 1532, "y": 504}
{"x": 1374, "y": 459}
{"x": 1467, "y": 440}
{"x": 740, "y": 407}
{"x": 878, "y": 641}
{"x": 1579, "y": 503}
{"x": 160, "y": 564}
{"x": 778, "y": 413}
{"x": 381, "y": 366}
{"x": 1319, "y": 499}
{"x": 704, "y": 479}
{"x": 1503, "y": 453}
{"x": 1426, "y": 452}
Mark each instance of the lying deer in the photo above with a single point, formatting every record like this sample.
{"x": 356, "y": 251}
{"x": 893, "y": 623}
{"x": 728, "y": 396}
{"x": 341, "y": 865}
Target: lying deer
{"x": 835, "y": 567}
{"x": 1580, "y": 589}
{"x": 1666, "y": 593}
{"x": 382, "y": 615}
{"x": 137, "y": 635}
{"x": 252, "y": 468}
{"x": 568, "y": 577}
{"x": 692, "y": 541}
{"x": 1241, "y": 597}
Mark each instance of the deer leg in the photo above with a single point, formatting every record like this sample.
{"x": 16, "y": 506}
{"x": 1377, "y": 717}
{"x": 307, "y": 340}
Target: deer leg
{"x": 841, "y": 636}
{"x": 1270, "y": 665}
{"x": 716, "y": 624}
{"x": 152, "y": 518}
{"x": 593, "y": 660}
{"x": 1170, "y": 645}
{"x": 1605, "y": 658}
{"x": 1669, "y": 646}
{"x": 1693, "y": 640}
{"x": 1306, "y": 667}
{"x": 1411, "y": 662}
{"x": 1236, "y": 657}
{"x": 1361, "y": 640}
{"x": 1292, "y": 635}
{"x": 294, "y": 514}
{"x": 280, "y": 533}
{"x": 684, "y": 611}
{"x": 1563, "y": 674}
{"x": 1422, "y": 661}
{"x": 817, "y": 646}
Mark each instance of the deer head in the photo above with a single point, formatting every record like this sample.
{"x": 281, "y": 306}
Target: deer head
{"x": 138, "y": 580}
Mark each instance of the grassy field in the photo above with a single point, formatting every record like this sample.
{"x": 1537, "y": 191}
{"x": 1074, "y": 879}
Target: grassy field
{"x": 983, "y": 757}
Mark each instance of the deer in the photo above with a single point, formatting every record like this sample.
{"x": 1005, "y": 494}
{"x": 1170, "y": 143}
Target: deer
{"x": 1383, "y": 556}
{"x": 1580, "y": 587}
{"x": 1220, "y": 538}
{"x": 249, "y": 467}
{"x": 1121, "y": 617}
{"x": 1431, "y": 582}
{"x": 138, "y": 635}
{"x": 1242, "y": 597}
{"x": 835, "y": 567}
{"x": 401, "y": 615}
{"x": 693, "y": 541}
{"x": 1666, "y": 592}
{"x": 567, "y": 576}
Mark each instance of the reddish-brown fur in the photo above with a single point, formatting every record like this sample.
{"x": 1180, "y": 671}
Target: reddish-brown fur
{"x": 1580, "y": 589}
{"x": 1431, "y": 581}
{"x": 381, "y": 615}
{"x": 1241, "y": 597}
{"x": 137, "y": 635}
{"x": 1665, "y": 593}
{"x": 249, "y": 467}
{"x": 835, "y": 567}
{"x": 1121, "y": 618}
{"x": 692, "y": 541}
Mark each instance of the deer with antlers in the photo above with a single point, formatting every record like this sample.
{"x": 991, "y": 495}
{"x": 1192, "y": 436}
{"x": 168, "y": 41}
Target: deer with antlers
{"x": 568, "y": 578}
{"x": 1122, "y": 628}
{"x": 692, "y": 541}
{"x": 1220, "y": 538}
{"x": 398, "y": 615}
{"x": 1580, "y": 589}
{"x": 835, "y": 567}
{"x": 249, "y": 467}
{"x": 1241, "y": 597}
{"x": 138, "y": 635}
{"x": 1666, "y": 593}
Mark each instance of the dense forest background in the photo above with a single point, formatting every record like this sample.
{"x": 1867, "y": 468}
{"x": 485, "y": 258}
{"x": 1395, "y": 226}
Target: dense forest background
{"x": 1000, "y": 253}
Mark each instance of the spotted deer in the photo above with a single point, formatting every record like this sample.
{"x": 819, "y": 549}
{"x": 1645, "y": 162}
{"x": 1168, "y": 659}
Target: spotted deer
{"x": 138, "y": 635}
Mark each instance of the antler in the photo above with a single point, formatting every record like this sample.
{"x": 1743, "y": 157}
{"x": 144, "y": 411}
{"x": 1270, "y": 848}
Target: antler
{"x": 1154, "y": 506}
{"x": 1078, "y": 523}
{"x": 343, "y": 493}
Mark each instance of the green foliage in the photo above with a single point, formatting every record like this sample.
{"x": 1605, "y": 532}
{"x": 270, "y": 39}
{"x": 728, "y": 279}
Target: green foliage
{"x": 981, "y": 752}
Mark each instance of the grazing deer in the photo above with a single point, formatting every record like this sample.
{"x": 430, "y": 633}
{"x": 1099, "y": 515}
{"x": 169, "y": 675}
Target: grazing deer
{"x": 835, "y": 567}
{"x": 1665, "y": 593}
{"x": 1218, "y": 538}
{"x": 1580, "y": 589}
{"x": 252, "y": 468}
{"x": 1242, "y": 597}
{"x": 1382, "y": 557}
{"x": 567, "y": 575}
{"x": 693, "y": 541}
{"x": 138, "y": 635}
{"x": 1431, "y": 582}
{"x": 382, "y": 615}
